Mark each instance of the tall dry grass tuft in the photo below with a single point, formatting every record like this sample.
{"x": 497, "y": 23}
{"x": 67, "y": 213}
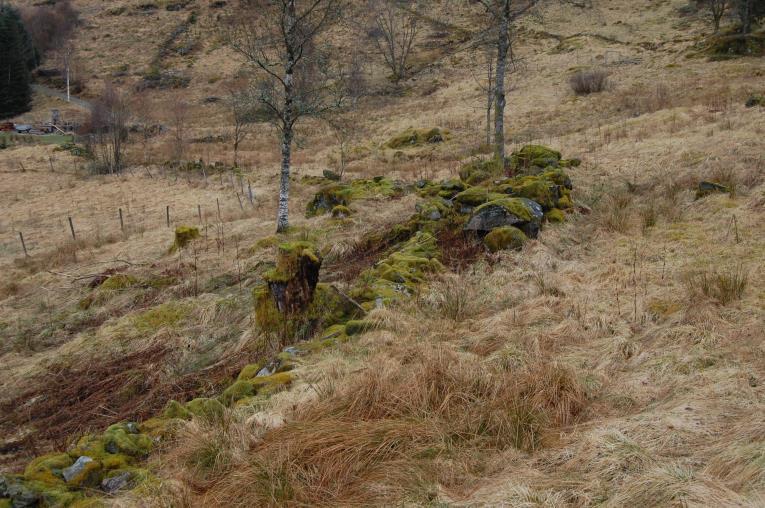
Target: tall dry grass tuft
{"x": 388, "y": 429}
{"x": 723, "y": 286}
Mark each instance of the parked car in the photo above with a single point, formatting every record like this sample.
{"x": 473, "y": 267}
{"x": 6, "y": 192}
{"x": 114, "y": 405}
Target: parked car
{"x": 23, "y": 128}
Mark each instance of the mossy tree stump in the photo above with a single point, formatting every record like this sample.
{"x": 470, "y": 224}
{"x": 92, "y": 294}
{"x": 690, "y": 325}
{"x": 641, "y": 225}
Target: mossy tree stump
{"x": 287, "y": 301}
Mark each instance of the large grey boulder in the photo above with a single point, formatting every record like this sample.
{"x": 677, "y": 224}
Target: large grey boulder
{"x": 522, "y": 213}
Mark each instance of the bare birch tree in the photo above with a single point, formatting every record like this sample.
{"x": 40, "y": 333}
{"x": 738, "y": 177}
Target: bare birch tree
{"x": 394, "y": 31}
{"x": 242, "y": 116}
{"x": 109, "y": 133}
{"x": 282, "y": 41}
{"x": 501, "y": 16}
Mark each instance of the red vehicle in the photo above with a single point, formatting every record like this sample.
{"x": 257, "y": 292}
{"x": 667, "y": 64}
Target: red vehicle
{"x": 6, "y": 127}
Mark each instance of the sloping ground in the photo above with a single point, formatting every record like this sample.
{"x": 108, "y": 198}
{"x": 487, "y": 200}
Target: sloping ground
{"x": 620, "y": 335}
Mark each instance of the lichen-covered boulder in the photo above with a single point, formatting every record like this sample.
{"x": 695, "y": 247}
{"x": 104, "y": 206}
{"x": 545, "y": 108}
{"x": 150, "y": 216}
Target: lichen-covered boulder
{"x": 522, "y": 213}
{"x": 504, "y": 238}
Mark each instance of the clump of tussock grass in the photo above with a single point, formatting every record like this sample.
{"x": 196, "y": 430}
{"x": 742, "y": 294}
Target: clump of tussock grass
{"x": 614, "y": 212}
{"x": 674, "y": 484}
{"x": 390, "y": 426}
{"x": 724, "y": 286}
{"x": 454, "y": 297}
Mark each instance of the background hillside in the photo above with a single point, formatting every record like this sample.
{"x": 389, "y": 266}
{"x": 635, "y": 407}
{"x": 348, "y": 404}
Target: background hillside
{"x": 621, "y": 321}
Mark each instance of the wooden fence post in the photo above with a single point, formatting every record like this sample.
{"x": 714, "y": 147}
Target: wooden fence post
{"x": 122, "y": 222}
{"x": 199, "y": 212}
{"x": 71, "y": 228}
{"x": 217, "y": 202}
{"x": 167, "y": 215}
{"x": 23, "y": 245}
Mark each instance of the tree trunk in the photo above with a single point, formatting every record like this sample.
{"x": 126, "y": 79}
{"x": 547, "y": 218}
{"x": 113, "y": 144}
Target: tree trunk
{"x": 282, "y": 219}
{"x": 288, "y": 119}
{"x": 503, "y": 45}
{"x": 489, "y": 96}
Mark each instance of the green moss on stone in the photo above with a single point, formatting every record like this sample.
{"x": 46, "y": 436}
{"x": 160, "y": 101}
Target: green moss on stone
{"x": 479, "y": 171}
{"x": 416, "y": 137}
{"x": 47, "y": 468}
{"x": 356, "y": 327}
{"x": 88, "y": 476}
{"x": 534, "y": 155}
{"x": 237, "y": 391}
{"x": 119, "y": 281}
{"x": 514, "y": 206}
{"x": 555, "y": 215}
{"x": 122, "y": 438}
{"x": 341, "y": 212}
{"x": 174, "y": 409}
{"x": 504, "y": 238}
{"x": 476, "y": 196}
{"x": 250, "y": 371}
{"x": 209, "y": 409}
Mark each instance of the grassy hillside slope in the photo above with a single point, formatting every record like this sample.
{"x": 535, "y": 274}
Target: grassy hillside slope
{"x": 616, "y": 360}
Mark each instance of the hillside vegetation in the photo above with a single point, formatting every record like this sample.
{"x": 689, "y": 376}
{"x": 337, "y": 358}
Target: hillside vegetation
{"x": 605, "y": 349}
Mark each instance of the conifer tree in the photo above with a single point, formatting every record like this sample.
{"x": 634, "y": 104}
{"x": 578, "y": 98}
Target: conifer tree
{"x": 16, "y": 58}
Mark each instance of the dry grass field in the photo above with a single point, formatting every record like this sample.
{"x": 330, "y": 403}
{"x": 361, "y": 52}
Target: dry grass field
{"x": 617, "y": 360}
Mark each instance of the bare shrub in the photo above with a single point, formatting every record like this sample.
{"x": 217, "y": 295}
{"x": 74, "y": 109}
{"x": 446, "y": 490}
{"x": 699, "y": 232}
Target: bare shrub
{"x": 589, "y": 81}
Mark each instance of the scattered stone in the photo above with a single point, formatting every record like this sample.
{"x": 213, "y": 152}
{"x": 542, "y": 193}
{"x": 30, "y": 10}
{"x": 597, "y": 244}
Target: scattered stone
{"x": 116, "y": 483}
{"x": 755, "y": 100}
{"x": 79, "y": 472}
{"x": 706, "y": 188}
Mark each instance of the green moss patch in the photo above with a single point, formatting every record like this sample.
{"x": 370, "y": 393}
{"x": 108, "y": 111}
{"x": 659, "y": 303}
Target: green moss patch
{"x": 166, "y": 315}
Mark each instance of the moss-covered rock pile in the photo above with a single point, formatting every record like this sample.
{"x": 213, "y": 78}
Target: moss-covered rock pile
{"x": 532, "y": 187}
{"x": 332, "y": 195}
{"x": 107, "y": 462}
